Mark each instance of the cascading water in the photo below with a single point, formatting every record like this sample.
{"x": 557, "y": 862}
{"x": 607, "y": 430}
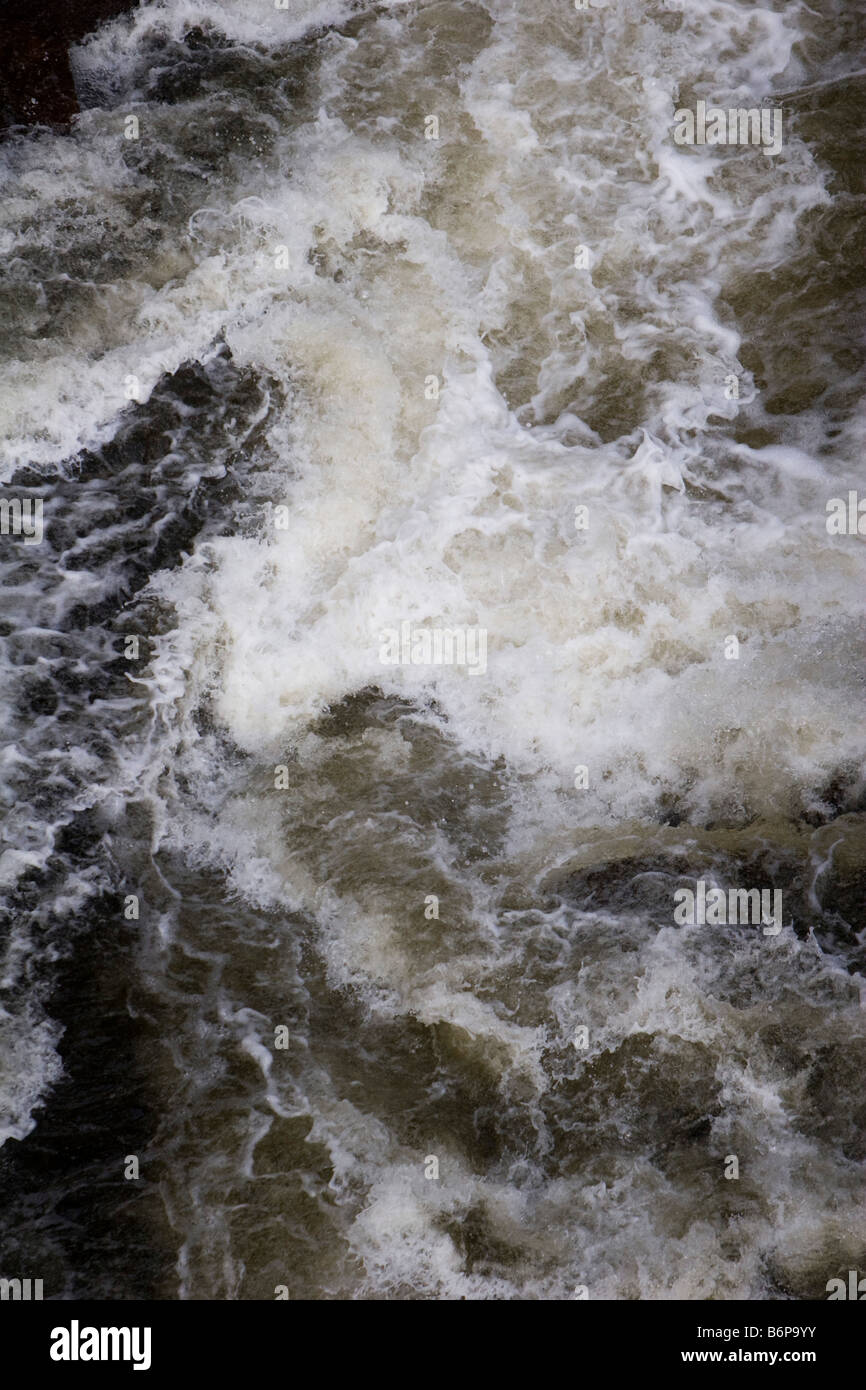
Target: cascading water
{"x": 337, "y": 321}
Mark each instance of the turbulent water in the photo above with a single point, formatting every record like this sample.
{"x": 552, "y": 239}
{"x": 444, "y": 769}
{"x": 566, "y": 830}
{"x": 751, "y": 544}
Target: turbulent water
{"x": 405, "y": 1011}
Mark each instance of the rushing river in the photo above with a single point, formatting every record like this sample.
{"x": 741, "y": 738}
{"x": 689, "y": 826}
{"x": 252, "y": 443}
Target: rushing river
{"x": 324, "y": 326}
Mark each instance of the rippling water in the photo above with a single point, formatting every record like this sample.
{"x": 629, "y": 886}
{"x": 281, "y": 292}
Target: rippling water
{"x": 340, "y": 334}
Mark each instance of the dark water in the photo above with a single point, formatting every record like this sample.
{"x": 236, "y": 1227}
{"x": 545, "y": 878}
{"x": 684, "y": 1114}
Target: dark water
{"x": 406, "y": 1010}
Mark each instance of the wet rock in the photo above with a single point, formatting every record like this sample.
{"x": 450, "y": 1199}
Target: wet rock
{"x": 36, "y": 86}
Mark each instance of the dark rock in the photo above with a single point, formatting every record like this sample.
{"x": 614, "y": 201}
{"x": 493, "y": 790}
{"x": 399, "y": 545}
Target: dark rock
{"x": 36, "y": 86}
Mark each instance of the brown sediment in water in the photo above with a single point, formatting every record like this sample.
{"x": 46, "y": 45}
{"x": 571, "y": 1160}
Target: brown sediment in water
{"x": 36, "y": 86}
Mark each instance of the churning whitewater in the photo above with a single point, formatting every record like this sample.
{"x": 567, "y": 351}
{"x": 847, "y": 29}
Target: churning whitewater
{"x": 434, "y": 451}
